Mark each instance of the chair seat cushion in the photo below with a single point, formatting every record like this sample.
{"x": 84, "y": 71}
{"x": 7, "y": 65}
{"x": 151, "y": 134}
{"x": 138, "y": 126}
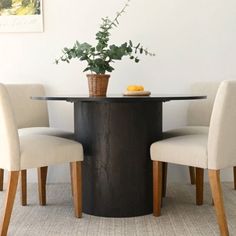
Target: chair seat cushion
{"x": 190, "y": 150}
{"x": 187, "y": 130}
{"x": 46, "y": 131}
{"x": 43, "y": 150}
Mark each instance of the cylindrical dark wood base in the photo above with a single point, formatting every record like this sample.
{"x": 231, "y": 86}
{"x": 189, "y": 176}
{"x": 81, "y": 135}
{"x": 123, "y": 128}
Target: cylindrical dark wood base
{"x": 117, "y": 170}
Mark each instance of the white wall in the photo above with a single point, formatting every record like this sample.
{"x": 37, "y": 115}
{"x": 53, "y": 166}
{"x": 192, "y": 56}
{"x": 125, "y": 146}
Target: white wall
{"x": 193, "y": 40}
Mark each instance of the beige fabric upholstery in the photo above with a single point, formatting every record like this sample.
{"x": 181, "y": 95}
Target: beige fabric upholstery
{"x": 32, "y": 115}
{"x": 46, "y": 131}
{"x": 28, "y": 112}
{"x": 199, "y": 111}
{"x": 9, "y": 140}
{"x": 186, "y": 130}
{"x": 222, "y": 132}
{"x": 43, "y": 150}
{"x": 216, "y": 152}
{"x": 190, "y": 150}
{"x": 30, "y": 151}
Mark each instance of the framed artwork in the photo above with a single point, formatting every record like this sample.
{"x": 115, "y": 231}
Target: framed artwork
{"x": 21, "y": 16}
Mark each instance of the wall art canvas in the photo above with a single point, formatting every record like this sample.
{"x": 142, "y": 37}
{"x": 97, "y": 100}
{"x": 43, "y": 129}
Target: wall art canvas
{"x": 21, "y": 16}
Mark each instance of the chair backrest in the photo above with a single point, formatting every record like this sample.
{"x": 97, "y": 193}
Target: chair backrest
{"x": 28, "y": 112}
{"x": 9, "y": 139}
{"x": 199, "y": 112}
{"x": 222, "y": 132}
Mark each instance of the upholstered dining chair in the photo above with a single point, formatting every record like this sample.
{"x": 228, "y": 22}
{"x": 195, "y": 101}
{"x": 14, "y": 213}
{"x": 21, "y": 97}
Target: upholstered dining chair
{"x": 32, "y": 118}
{"x": 198, "y": 120}
{"x": 32, "y": 151}
{"x": 214, "y": 151}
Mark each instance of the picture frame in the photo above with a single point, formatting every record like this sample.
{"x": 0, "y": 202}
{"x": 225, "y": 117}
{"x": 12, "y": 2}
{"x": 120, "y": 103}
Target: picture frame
{"x": 21, "y": 15}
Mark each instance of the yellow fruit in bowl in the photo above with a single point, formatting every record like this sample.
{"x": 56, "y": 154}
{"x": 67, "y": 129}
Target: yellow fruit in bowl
{"x": 135, "y": 88}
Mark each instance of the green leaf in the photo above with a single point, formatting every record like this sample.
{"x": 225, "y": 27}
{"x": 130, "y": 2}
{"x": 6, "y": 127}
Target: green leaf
{"x": 86, "y": 69}
{"x": 84, "y": 46}
{"x": 124, "y": 45}
{"x": 109, "y": 69}
{"x": 129, "y": 49}
{"x": 83, "y": 58}
{"x": 95, "y": 69}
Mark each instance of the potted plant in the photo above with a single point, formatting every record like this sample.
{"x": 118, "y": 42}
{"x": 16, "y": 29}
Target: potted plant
{"x": 100, "y": 57}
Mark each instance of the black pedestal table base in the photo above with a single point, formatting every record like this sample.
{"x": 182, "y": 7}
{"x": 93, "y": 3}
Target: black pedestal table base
{"x": 117, "y": 170}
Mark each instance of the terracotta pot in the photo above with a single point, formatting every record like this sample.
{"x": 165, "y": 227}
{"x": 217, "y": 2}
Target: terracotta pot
{"x": 98, "y": 84}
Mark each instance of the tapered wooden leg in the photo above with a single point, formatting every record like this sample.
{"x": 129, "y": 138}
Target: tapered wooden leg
{"x": 214, "y": 178}
{"x": 77, "y": 187}
{"x": 71, "y": 176}
{"x": 164, "y": 178}
{"x": 157, "y": 187}
{"x": 23, "y": 187}
{"x": 42, "y": 178}
{"x": 235, "y": 177}
{"x": 9, "y": 201}
{"x": 1, "y": 179}
{"x": 192, "y": 175}
{"x": 199, "y": 185}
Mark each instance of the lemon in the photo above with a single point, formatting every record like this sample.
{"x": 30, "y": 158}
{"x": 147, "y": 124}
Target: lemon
{"x": 135, "y": 88}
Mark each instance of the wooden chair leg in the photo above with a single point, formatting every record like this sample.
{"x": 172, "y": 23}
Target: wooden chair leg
{"x": 77, "y": 187}
{"x": 157, "y": 187}
{"x": 71, "y": 176}
{"x": 9, "y": 201}
{"x": 42, "y": 178}
{"x": 199, "y": 185}
{"x": 23, "y": 187}
{"x": 214, "y": 178}
{"x": 192, "y": 175}
{"x": 235, "y": 177}
{"x": 164, "y": 178}
{"x": 1, "y": 179}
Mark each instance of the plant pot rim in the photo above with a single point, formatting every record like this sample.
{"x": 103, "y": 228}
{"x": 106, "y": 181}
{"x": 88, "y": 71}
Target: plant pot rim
{"x": 98, "y": 75}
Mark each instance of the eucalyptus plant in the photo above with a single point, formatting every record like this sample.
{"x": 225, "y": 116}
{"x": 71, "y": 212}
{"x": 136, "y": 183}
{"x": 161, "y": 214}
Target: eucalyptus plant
{"x": 100, "y": 57}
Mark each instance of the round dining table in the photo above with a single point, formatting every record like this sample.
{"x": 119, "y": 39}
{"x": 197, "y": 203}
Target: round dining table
{"x": 116, "y": 132}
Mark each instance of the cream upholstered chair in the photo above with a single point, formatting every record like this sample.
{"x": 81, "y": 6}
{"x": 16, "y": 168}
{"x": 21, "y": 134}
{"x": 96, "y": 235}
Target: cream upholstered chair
{"x": 32, "y": 118}
{"x": 32, "y": 151}
{"x": 214, "y": 151}
{"x": 198, "y": 120}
